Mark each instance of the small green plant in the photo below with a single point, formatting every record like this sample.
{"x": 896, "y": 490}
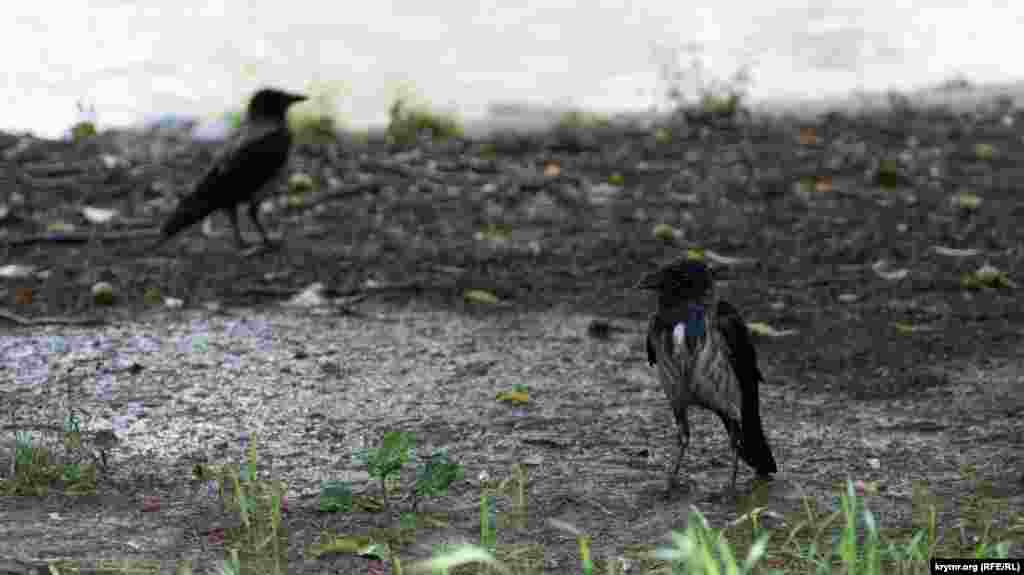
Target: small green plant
{"x": 335, "y": 496}
{"x": 407, "y": 123}
{"x": 82, "y": 131}
{"x": 387, "y": 460}
{"x": 725, "y": 105}
{"x": 582, "y": 542}
{"x": 460, "y": 555}
{"x": 259, "y": 539}
{"x": 701, "y": 549}
{"x": 889, "y": 174}
{"x": 581, "y": 120}
{"x": 234, "y": 119}
{"x": 488, "y": 521}
{"x": 316, "y": 120}
{"x": 858, "y": 546}
{"x": 85, "y": 128}
{"x": 32, "y": 467}
{"x": 693, "y": 90}
{"x": 435, "y": 476}
{"x": 40, "y": 466}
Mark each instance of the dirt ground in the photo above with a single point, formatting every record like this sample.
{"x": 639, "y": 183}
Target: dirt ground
{"x": 896, "y": 378}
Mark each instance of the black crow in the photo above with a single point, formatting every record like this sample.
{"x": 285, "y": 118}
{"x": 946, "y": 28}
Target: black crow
{"x": 247, "y": 165}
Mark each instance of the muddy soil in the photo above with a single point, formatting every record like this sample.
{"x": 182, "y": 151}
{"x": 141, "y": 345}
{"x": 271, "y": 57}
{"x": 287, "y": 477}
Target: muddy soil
{"x": 892, "y": 378}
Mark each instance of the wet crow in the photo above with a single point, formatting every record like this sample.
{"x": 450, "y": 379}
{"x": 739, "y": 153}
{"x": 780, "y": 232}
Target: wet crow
{"x": 247, "y": 165}
{"x": 705, "y": 358}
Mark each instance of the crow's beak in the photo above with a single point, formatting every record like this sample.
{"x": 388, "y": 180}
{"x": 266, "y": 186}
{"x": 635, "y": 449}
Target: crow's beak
{"x": 651, "y": 281}
{"x": 298, "y": 97}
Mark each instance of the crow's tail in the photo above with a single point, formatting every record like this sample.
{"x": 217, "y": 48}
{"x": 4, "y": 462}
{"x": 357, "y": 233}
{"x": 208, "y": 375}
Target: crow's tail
{"x": 191, "y": 210}
{"x": 754, "y": 448}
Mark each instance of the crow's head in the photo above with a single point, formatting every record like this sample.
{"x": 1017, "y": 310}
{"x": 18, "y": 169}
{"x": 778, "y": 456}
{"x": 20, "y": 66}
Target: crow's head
{"x": 682, "y": 280}
{"x": 269, "y": 103}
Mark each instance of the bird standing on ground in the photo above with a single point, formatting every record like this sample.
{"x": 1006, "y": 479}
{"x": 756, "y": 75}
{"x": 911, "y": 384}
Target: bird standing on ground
{"x": 704, "y": 356}
{"x": 248, "y": 164}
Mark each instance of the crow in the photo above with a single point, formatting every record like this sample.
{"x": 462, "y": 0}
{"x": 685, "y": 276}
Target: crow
{"x": 705, "y": 358}
{"x": 247, "y": 165}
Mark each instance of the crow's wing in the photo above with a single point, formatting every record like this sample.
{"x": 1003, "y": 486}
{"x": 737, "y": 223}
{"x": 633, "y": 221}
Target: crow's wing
{"x": 742, "y": 355}
{"x": 246, "y": 164}
{"x": 743, "y": 359}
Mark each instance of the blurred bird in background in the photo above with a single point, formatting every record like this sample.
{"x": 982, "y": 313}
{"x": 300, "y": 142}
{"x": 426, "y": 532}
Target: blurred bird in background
{"x": 704, "y": 357}
{"x": 248, "y": 164}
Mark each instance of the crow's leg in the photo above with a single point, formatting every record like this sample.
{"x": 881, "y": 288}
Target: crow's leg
{"x": 232, "y": 213}
{"x": 735, "y": 467}
{"x": 683, "y": 438}
{"x": 735, "y": 431}
{"x": 736, "y": 442}
{"x": 254, "y": 214}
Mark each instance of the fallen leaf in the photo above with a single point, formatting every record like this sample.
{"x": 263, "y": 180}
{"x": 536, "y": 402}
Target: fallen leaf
{"x": 491, "y": 234}
{"x": 965, "y": 201}
{"x": 312, "y": 296}
{"x": 23, "y": 296}
{"x": 804, "y": 186}
{"x": 111, "y": 161}
{"x": 300, "y": 183}
{"x": 904, "y": 327}
{"x": 808, "y": 136}
{"x": 15, "y": 271}
{"x": 987, "y": 276}
{"x": 984, "y": 151}
{"x": 152, "y": 296}
{"x": 666, "y": 232}
{"x": 516, "y": 397}
{"x": 355, "y": 545}
{"x": 150, "y": 503}
{"x": 103, "y": 293}
{"x": 480, "y": 296}
{"x": 881, "y": 267}
{"x": 98, "y": 215}
{"x": 955, "y": 253}
{"x": 60, "y": 227}
{"x": 764, "y": 329}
